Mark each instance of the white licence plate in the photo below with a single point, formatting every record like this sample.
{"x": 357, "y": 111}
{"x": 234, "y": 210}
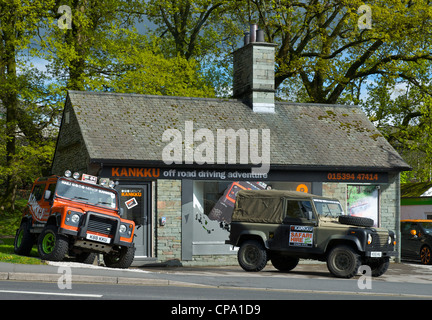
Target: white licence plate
{"x": 376, "y": 254}
{"x": 95, "y": 237}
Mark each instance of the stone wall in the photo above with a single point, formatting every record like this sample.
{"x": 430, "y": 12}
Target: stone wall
{"x": 254, "y": 75}
{"x": 168, "y": 237}
{"x": 337, "y": 191}
{"x": 390, "y": 203}
{"x": 390, "y": 207}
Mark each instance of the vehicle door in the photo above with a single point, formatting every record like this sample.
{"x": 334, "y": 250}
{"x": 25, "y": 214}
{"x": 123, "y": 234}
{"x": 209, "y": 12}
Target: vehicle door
{"x": 296, "y": 233}
{"x": 38, "y": 206}
{"x": 411, "y": 243}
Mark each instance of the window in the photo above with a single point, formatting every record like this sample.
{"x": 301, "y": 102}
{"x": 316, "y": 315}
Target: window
{"x": 407, "y": 227}
{"x": 298, "y": 210}
{"x": 37, "y": 193}
{"x": 82, "y": 192}
{"x": 51, "y": 188}
{"x": 328, "y": 208}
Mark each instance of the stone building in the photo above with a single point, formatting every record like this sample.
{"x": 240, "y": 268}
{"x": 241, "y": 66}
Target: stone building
{"x": 183, "y": 159}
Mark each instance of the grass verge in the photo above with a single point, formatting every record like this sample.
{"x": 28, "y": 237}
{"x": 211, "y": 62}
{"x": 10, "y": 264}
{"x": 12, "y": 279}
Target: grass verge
{"x": 9, "y": 223}
{"x": 7, "y": 253}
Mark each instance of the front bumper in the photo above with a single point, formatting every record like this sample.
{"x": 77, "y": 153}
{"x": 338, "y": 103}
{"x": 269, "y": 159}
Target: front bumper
{"x": 95, "y": 223}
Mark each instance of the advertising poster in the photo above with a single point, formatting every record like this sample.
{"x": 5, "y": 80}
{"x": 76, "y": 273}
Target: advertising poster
{"x": 301, "y": 236}
{"x": 363, "y": 202}
{"x": 223, "y": 209}
{"x": 132, "y": 201}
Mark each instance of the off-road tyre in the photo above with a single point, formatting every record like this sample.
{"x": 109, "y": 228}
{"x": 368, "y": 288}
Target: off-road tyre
{"x": 252, "y": 256}
{"x": 356, "y": 221}
{"x": 120, "y": 259}
{"x": 24, "y": 240}
{"x": 343, "y": 262}
{"x": 284, "y": 263}
{"x": 52, "y": 246}
{"x": 378, "y": 266}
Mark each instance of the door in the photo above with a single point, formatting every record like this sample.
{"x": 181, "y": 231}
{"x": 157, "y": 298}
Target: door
{"x": 410, "y": 243}
{"x": 136, "y": 203}
{"x": 296, "y": 233}
{"x": 39, "y": 207}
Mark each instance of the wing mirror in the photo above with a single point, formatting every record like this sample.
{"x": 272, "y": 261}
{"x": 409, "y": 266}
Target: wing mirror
{"x": 47, "y": 194}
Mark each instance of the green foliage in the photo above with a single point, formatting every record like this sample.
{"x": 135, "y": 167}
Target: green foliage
{"x": 174, "y": 76}
{"x": 402, "y": 112}
{"x": 324, "y": 46}
{"x": 21, "y": 94}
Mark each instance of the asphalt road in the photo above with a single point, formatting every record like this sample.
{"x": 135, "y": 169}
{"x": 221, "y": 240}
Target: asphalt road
{"x": 20, "y": 290}
{"x": 306, "y": 282}
{"x": 209, "y": 292}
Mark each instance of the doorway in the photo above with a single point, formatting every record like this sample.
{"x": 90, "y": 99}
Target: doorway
{"x": 136, "y": 203}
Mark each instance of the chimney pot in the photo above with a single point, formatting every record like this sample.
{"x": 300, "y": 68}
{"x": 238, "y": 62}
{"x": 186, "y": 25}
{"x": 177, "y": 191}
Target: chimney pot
{"x": 253, "y": 30}
{"x": 246, "y": 38}
{"x": 260, "y": 36}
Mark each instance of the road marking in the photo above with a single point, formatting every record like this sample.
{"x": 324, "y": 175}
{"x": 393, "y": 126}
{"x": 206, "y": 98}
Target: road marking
{"x": 54, "y": 294}
{"x": 334, "y": 292}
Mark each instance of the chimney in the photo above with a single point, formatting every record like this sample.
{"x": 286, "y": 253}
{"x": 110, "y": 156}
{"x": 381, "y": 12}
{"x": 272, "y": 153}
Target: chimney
{"x": 254, "y": 67}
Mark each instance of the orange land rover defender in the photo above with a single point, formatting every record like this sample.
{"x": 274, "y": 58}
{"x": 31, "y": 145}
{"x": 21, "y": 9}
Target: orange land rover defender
{"x": 78, "y": 218}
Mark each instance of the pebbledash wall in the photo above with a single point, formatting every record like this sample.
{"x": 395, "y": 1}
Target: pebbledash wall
{"x": 330, "y": 150}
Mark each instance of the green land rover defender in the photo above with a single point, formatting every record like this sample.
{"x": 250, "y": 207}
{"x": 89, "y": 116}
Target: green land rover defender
{"x": 284, "y": 226}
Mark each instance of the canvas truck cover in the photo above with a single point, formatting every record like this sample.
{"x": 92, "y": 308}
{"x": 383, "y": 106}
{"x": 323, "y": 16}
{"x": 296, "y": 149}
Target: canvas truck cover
{"x": 265, "y": 206}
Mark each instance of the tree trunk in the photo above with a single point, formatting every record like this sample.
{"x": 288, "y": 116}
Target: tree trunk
{"x": 9, "y": 97}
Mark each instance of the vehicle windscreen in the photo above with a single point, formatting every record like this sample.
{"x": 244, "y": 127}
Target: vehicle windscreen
{"x": 328, "y": 208}
{"x": 85, "y": 193}
{"x": 427, "y": 226}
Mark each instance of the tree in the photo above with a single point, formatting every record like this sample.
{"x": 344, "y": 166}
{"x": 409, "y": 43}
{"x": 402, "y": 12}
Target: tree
{"x": 200, "y": 30}
{"x": 190, "y": 28}
{"x": 99, "y": 48}
{"x": 76, "y": 36}
{"x": 328, "y": 46}
{"x": 403, "y": 114}
{"x": 130, "y": 71}
{"x": 20, "y": 137}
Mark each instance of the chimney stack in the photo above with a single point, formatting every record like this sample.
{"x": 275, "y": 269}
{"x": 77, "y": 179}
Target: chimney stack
{"x": 254, "y": 66}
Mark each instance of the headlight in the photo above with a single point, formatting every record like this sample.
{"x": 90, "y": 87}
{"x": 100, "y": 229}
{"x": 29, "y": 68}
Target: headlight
{"x": 369, "y": 238}
{"x": 389, "y": 240}
{"x": 75, "y": 218}
{"x": 122, "y": 228}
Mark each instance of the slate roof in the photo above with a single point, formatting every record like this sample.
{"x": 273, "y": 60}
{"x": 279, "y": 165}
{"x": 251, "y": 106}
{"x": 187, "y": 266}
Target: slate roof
{"x": 129, "y": 127}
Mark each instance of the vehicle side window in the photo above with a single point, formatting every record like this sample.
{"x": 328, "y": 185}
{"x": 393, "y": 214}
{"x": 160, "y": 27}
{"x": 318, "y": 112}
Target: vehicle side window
{"x": 298, "y": 210}
{"x": 37, "y": 193}
{"x": 407, "y": 227}
{"x": 51, "y": 188}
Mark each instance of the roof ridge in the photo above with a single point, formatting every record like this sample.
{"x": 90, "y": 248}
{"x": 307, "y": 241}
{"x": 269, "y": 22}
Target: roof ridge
{"x": 149, "y": 95}
{"x": 315, "y": 104}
